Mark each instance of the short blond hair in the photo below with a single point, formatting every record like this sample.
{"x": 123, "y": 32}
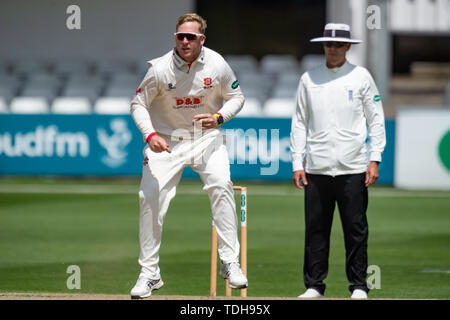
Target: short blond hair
{"x": 192, "y": 17}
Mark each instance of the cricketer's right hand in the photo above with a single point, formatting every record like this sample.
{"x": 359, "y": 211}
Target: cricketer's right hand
{"x": 158, "y": 144}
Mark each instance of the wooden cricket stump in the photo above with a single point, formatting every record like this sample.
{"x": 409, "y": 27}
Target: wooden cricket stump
{"x": 243, "y": 215}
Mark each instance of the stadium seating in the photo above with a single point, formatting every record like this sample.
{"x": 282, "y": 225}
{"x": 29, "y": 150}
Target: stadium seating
{"x": 105, "y": 67}
{"x": 311, "y": 60}
{"x": 107, "y": 86}
{"x": 29, "y": 105}
{"x": 284, "y": 92}
{"x": 9, "y": 85}
{"x": 7, "y": 93}
{"x": 252, "y": 108}
{"x": 112, "y": 105}
{"x": 3, "y": 105}
{"x": 9, "y": 79}
{"x": 48, "y": 93}
{"x": 275, "y": 64}
{"x": 256, "y": 83}
{"x": 88, "y": 92}
{"x": 41, "y": 84}
{"x": 43, "y": 78}
{"x": 70, "y": 67}
{"x": 286, "y": 85}
{"x": 279, "y": 108}
{"x": 288, "y": 80}
{"x": 446, "y": 98}
{"x": 79, "y": 82}
{"x": 4, "y": 67}
{"x": 71, "y": 105}
{"x": 242, "y": 63}
{"x": 141, "y": 66}
{"x": 123, "y": 84}
{"x": 252, "y": 92}
{"x": 126, "y": 79}
{"x": 25, "y": 67}
{"x": 120, "y": 91}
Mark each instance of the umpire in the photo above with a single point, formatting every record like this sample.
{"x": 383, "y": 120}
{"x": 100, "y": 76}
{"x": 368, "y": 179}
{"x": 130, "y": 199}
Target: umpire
{"x": 338, "y": 104}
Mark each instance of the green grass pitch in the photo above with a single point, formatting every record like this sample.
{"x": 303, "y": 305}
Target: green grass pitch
{"x": 47, "y": 225}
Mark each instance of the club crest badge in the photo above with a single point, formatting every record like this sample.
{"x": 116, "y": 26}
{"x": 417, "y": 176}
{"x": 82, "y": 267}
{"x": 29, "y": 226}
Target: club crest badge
{"x": 207, "y": 83}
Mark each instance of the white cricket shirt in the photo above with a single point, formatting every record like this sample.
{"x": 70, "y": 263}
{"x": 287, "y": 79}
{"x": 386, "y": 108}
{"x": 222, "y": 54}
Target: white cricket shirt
{"x": 336, "y": 108}
{"x": 173, "y": 92}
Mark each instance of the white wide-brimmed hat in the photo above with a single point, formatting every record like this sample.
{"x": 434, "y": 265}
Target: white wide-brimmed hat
{"x": 338, "y": 32}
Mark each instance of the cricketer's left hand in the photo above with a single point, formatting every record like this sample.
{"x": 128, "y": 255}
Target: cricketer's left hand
{"x": 208, "y": 121}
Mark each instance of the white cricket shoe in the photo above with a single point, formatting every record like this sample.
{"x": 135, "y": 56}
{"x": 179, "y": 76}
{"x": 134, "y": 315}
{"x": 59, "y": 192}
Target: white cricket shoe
{"x": 311, "y": 293}
{"x": 236, "y": 278}
{"x": 144, "y": 287}
{"x": 359, "y": 294}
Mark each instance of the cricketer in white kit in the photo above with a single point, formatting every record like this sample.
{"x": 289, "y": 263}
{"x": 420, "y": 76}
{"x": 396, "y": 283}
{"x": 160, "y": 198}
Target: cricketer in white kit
{"x": 184, "y": 98}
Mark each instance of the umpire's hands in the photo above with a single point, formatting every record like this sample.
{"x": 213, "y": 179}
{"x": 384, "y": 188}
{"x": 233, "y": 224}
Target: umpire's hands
{"x": 299, "y": 178}
{"x": 158, "y": 144}
{"x": 372, "y": 173}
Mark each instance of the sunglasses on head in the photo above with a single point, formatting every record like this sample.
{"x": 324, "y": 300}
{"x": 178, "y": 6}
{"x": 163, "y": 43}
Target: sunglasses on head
{"x": 330, "y": 44}
{"x": 188, "y": 35}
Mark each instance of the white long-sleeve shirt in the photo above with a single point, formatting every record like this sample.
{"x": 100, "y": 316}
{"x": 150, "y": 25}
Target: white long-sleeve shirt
{"x": 173, "y": 92}
{"x": 335, "y": 107}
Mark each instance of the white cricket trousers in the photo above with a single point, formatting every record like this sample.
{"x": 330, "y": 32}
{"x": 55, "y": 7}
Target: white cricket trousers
{"x": 208, "y": 156}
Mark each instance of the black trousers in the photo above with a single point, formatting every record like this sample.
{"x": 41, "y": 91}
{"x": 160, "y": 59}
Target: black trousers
{"x": 321, "y": 195}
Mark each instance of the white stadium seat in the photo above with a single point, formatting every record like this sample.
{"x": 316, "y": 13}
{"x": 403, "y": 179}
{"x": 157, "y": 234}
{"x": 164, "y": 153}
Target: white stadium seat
{"x": 29, "y": 105}
{"x": 71, "y": 105}
{"x": 279, "y": 108}
{"x": 112, "y": 105}
{"x": 3, "y": 106}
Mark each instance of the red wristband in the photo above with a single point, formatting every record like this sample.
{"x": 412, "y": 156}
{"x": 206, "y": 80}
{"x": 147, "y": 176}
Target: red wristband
{"x": 150, "y": 136}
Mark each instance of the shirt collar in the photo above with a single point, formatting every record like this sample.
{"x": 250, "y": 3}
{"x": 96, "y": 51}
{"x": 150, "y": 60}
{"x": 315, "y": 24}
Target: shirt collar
{"x": 337, "y": 69}
{"x": 181, "y": 64}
